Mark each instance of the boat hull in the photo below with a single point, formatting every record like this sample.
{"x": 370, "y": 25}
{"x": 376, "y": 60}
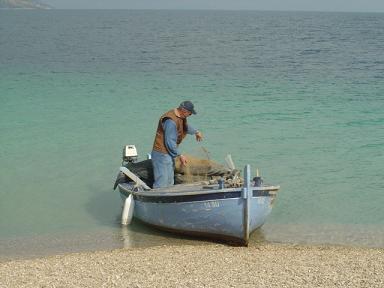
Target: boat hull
{"x": 223, "y": 214}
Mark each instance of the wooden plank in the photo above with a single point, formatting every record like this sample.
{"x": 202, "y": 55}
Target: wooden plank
{"x": 134, "y": 178}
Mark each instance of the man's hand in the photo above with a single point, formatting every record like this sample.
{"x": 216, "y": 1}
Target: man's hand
{"x": 183, "y": 160}
{"x": 199, "y": 136}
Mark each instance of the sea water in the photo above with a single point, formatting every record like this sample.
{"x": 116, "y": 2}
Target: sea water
{"x": 299, "y": 96}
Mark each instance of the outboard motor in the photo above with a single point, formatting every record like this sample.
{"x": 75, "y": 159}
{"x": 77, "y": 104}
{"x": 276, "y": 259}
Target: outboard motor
{"x": 141, "y": 168}
{"x": 129, "y": 154}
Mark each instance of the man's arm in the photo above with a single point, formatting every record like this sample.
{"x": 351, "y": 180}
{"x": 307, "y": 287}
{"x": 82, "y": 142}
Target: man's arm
{"x": 193, "y": 131}
{"x": 170, "y": 137}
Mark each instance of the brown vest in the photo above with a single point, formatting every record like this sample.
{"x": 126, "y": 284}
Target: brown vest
{"x": 181, "y": 126}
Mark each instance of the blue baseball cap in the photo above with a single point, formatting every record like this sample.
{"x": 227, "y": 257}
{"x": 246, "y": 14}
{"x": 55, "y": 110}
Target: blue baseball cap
{"x": 187, "y": 105}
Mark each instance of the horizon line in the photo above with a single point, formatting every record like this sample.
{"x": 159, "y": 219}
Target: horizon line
{"x": 199, "y": 9}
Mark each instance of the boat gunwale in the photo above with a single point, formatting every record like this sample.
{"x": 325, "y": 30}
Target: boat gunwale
{"x": 201, "y": 191}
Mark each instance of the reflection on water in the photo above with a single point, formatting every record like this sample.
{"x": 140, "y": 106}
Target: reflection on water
{"x": 140, "y": 235}
{"x": 133, "y": 236}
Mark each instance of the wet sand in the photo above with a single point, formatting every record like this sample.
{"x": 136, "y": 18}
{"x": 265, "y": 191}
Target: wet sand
{"x": 211, "y": 265}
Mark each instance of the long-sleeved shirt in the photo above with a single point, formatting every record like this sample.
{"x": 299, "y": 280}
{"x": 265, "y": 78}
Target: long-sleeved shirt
{"x": 170, "y": 136}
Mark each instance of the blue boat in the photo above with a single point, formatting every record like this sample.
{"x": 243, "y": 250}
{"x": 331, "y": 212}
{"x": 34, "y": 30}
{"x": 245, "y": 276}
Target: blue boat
{"x": 225, "y": 214}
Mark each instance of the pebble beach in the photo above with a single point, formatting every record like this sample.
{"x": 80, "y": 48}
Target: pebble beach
{"x": 211, "y": 265}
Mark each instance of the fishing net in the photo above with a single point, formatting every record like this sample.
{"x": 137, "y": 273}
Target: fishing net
{"x": 198, "y": 169}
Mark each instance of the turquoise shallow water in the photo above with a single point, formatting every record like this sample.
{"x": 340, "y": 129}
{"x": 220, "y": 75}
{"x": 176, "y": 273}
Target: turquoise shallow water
{"x": 298, "y": 95}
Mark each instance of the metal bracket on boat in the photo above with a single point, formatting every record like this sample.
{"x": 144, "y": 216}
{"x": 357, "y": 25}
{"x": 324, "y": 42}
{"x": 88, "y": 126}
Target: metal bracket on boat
{"x": 244, "y": 193}
{"x": 247, "y": 191}
{"x": 134, "y": 178}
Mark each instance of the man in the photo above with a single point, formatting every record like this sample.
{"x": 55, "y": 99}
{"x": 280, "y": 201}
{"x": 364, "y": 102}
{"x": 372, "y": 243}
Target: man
{"x": 171, "y": 130}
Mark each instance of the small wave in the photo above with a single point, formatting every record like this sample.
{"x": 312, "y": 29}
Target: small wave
{"x": 372, "y": 145}
{"x": 310, "y": 51}
{"x": 369, "y": 122}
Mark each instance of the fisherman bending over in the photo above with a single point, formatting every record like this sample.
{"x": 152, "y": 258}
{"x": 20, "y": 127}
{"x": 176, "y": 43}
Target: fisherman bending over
{"x": 171, "y": 130}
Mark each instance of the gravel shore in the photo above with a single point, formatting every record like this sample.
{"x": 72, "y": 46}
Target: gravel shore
{"x": 211, "y": 265}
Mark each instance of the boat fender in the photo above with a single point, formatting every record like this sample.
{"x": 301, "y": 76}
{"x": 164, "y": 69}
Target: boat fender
{"x": 127, "y": 214}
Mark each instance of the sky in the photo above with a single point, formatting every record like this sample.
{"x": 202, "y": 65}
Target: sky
{"x": 282, "y": 5}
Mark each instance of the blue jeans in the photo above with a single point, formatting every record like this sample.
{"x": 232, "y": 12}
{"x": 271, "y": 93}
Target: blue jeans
{"x": 163, "y": 169}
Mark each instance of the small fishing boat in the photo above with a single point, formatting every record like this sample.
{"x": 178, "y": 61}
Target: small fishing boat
{"x": 203, "y": 209}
